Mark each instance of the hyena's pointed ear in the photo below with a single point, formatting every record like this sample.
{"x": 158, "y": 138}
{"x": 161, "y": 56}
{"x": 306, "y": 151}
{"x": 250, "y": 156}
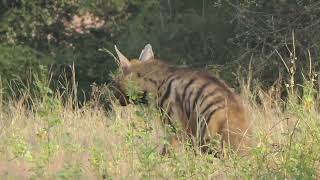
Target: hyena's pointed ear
{"x": 147, "y": 53}
{"x": 123, "y": 62}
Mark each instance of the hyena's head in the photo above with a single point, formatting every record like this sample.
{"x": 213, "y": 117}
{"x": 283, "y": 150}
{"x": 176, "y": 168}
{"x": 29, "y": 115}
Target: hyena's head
{"x": 131, "y": 80}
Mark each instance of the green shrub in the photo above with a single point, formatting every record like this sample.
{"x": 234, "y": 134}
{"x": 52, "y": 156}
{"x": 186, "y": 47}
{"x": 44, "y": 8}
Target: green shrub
{"x": 17, "y": 66}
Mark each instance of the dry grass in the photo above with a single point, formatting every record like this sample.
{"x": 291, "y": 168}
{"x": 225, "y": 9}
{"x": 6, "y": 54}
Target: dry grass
{"x": 55, "y": 141}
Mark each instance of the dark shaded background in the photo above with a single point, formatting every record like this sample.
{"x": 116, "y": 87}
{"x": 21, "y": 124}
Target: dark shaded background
{"x": 222, "y": 36}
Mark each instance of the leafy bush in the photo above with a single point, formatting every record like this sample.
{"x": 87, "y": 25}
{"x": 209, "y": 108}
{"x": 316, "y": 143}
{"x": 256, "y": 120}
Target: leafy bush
{"x": 18, "y": 64}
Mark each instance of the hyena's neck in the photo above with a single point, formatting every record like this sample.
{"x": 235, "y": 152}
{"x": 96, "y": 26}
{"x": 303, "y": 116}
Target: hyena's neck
{"x": 159, "y": 75}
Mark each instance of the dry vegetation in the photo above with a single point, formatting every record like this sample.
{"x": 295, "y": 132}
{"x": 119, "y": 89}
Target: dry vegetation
{"x": 56, "y": 141}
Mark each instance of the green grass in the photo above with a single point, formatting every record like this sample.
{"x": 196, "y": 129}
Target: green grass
{"x": 57, "y": 140}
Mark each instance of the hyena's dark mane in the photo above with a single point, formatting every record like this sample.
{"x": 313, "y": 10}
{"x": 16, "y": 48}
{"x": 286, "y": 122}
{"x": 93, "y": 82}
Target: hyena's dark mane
{"x": 201, "y": 74}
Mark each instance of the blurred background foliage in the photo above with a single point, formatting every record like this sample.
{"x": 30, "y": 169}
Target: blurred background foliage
{"x": 222, "y": 36}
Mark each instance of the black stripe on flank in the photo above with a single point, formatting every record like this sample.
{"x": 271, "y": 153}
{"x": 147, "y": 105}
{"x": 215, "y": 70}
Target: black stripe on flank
{"x": 207, "y": 121}
{"x": 178, "y": 100}
{"x": 208, "y": 118}
{"x": 152, "y": 81}
{"x": 199, "y": 92}
{"x": 205, "y": 124}
{"x": 186, "y": 88}
{"x": 211, "y": 104}
{"x": 187, "y": 103}
{"x": 167, "y": 92}
{"x": 161, "y": 84}
{"x": 208, "y": 95}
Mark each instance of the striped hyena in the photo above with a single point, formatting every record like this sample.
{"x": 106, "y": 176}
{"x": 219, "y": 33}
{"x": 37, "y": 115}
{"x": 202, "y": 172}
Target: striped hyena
{"x": 200, "y": 103}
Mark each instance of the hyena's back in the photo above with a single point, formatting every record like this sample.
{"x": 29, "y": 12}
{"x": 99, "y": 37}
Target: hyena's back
{"x": 205, "y": 106}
